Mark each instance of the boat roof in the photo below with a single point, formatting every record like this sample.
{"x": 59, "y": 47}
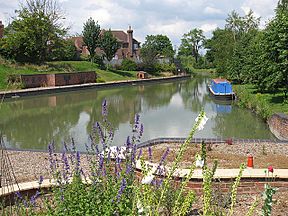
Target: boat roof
{"x": 220, "y": 80}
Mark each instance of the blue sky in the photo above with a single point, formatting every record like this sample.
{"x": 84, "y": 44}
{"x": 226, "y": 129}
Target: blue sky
{"x": 170, "y": 17}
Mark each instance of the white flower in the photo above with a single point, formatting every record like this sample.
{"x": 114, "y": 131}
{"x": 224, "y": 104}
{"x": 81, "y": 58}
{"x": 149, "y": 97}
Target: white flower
{"x": 202, "y": 122}
{"x": 199, "y": 161}
{"x": 140, "y": 207}
{"x": 147, "y": 179}
{"x": 114, "y": 153}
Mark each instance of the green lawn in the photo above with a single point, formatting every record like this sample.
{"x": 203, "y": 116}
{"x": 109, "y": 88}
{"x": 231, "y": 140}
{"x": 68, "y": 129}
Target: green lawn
{"x": 264, "y": 104}
{"x": 7, "y": 68}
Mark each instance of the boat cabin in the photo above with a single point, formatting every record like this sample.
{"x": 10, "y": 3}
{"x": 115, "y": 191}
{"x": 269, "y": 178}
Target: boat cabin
{"x": 221, "y": 86}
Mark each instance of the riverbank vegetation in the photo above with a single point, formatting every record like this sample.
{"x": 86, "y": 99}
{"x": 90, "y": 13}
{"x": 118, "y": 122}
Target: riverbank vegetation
{"x": 255, "y": 58}
{"x": 8, "y": 69}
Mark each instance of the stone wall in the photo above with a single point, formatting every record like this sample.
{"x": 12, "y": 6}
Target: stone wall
{"x": 61, "y": 79}
{"x": 278, "y": 124}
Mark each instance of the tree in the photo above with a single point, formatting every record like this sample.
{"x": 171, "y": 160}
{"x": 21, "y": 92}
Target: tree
{"x": 191, "y": 43}
{"x": 34, "y": 32}
{"x": 153, "y": 47}
{"x": 220, "y": 49}
{"x": 109, "y": 45}
{"x": 91, "y": 36}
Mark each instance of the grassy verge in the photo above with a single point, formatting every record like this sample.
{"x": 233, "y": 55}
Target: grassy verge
{"x": 264, "y": 104}
{"x": 7, "y": 68}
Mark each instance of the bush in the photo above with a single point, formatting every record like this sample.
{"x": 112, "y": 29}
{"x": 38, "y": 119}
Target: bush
{"x": 128, "y": 65}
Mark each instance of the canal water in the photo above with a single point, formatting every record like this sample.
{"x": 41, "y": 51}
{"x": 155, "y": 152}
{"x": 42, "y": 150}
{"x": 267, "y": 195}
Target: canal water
{"x": 166, "y": 110}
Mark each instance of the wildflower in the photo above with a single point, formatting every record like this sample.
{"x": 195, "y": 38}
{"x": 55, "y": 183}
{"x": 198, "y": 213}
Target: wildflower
{"x": 203, "y": 121}
{"x": 148, "y": 178}
{"x": 140, "y": 153}
{"x": 140, "y": 207}
{"x": 150, "y": 153}
{"x": 270, "y": 169}
{"x": 122, "y": 188}
{"x": 34, "y": 197}
{"x": 199, "y": 161}
{"x": 141, "y": 130}
{"x": 41, "y": 180}
{"x": 104, "y": 108}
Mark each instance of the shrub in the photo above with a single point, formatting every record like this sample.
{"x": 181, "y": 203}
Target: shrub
{"x": 128, "y": 65}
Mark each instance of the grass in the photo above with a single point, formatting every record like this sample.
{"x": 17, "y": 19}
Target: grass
{"x": 264, "y": 104}
{"x": 7, "y": 68}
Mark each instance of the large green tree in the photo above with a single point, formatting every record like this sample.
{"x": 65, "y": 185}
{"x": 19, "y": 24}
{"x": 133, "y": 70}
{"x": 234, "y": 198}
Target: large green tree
{"x": 109, "y": 45}
{"x": 91, "y": 36}
{"x": 161, "y": 44}
{"x": 35, "y": 30}
{"x": 155, "y": 46}
{"x": 191, "y": 43}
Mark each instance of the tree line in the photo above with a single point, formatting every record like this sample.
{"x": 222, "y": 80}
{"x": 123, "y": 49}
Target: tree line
{"x": 245, "y": 53}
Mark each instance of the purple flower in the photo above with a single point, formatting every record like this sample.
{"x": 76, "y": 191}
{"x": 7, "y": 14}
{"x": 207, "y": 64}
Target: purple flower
{"x": 104, "y": 107}
{"x": 150, "y": 153}
{"x": 100, "y": 133}
{"x": 140, "y": 154}
{"x": 141, "y": 130}
{"x": 163, "y": 158}
{"x": 51, "y": 148}
{"x": 137, "y": 120}
{"x": 78, "y": 159}
{"x": 34, "y": 197}
{"x": 121, "y": 190}
{"x": 128, "y": 142}
{"x": 41, "y": 180}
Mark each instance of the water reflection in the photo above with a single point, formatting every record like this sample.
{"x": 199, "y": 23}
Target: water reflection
{"x": 167, "y": 110}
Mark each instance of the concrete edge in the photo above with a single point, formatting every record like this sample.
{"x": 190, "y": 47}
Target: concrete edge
{"x": 57, "y": 89}
{"x": 220, "y": 173}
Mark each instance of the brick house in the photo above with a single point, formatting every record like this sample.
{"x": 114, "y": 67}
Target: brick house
{"x": 1, "y": 29}
{"x": 129, "y": 47}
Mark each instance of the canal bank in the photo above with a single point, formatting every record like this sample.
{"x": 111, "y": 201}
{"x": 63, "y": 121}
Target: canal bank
{"x": 59, "y": 89}
{"x": 267, "y": 106}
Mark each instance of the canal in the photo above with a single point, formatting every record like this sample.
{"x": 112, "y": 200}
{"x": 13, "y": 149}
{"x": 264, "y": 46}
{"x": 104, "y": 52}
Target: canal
{"x": 166, "y": 110}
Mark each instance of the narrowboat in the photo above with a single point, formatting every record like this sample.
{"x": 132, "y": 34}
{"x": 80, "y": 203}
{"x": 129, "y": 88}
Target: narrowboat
{"x": 221, "y": 89}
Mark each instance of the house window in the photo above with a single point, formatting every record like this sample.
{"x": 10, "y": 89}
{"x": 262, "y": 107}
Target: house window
{"x": 125, "y": 45}
{"x": 135, "y": 46}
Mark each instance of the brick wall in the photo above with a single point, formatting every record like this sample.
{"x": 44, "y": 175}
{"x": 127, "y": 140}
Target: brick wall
{"x": 247, "y": 185}
{"x": 74, "y": 78}
{"x": 278, "y": 124}
{"x": 61, "y": 79}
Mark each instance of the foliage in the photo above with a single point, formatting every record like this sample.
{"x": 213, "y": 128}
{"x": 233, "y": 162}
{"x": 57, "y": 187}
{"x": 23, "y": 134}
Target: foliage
{"x": 34, "y": 32}
{"x": 220, "y": 49}
{"x": 161, "y": 43}
{"x": 268, "y": 201}
{"x": 128, "y": 65}
{"x": 64, "y": 50}
{"x": 91, "y": 36}
{"x": 109, "y": 45}
{"x": 155, "y": 46}
{"x": 191, "y": 43}
{"x": 245, "y": 54}
{"x": 253, "y": 101}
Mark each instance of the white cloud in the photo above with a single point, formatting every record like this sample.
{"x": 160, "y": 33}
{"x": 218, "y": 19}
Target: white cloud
{"x": 212, "y": 10}
{"x": 263, "y": 9}
{"x": 208, "y": 27}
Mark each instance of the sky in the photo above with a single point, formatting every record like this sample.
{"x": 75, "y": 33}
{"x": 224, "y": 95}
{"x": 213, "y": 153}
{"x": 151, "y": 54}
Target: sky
{"x": 169, "y": 17}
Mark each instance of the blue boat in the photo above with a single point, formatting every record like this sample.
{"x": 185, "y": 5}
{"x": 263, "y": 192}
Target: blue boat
{"x": 221, "y": 89}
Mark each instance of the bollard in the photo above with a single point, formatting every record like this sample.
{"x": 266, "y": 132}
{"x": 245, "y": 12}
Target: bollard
{"x": 250, "y": 162}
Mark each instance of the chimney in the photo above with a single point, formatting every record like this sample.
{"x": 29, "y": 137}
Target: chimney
{"x": 130, "y": 41}
{"x": 1, "y": 29}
